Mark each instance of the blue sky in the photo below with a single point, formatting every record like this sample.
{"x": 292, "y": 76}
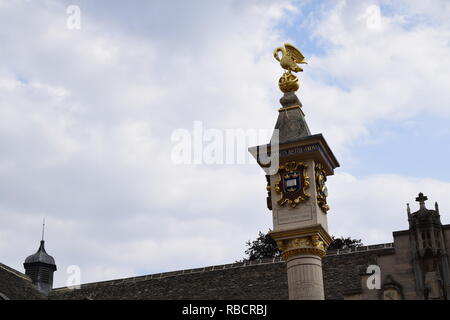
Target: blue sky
{"x": 398, "y": 145}
{"x": 404, "y": 147}
{"x": 86, "y": 118}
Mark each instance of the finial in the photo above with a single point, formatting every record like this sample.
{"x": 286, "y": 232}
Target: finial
{"x": 43, "y": 228}
{"x": 408, "y": 209}
{"x": 421, "y": 199}
{"x": 289, "y": 61}
{"x": 436, "y": 207}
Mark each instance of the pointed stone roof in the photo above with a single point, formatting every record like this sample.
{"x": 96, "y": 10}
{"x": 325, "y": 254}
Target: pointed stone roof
{"x": 291, "y": 123}
{"x": 41, "y": 256}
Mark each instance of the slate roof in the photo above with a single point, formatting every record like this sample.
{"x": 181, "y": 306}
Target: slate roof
{"x": 41, "y": 256}
{"x": 254, "y": 280}
{"x": 15, "y": 285}
{"x": 257, "y": 280}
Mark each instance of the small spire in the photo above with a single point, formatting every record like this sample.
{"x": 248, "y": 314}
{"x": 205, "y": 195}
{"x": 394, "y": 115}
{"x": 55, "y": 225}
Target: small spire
{"x": 43, "y": 228}
{"x": 421, "y": 199}
{"x": 436, "y": 207}
{"x": 408, "y": 209}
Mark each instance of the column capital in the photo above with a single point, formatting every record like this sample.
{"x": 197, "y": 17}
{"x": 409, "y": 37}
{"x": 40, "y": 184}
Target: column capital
{"x": 314, "y": 240}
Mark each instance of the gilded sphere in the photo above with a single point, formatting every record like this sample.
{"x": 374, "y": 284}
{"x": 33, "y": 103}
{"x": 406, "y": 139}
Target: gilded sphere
{"x": 288, "y": 83}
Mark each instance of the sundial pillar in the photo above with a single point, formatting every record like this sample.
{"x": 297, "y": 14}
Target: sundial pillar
{"x": 297, "y": 164}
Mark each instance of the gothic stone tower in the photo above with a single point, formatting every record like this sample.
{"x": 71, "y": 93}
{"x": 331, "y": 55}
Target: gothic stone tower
{"x": 430, "y": 258}
{"x": 297, "y": 164}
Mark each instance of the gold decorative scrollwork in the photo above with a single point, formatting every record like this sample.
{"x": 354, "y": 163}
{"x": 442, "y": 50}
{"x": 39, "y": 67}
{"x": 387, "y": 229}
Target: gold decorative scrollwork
{"x": 293, "y": 183}
{"x": 312, "y": 244}
{"x": 321, "y": 188}
{"x": 288, "y": 82}
{"x": 269, "y": 193}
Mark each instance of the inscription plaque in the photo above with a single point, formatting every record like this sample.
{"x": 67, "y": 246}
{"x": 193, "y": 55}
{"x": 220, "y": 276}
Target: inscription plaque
{"x": 290, "y": 216}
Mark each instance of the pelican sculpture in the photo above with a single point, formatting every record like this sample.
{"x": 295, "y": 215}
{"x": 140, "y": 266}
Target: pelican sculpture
{"x": 290, "y": 57}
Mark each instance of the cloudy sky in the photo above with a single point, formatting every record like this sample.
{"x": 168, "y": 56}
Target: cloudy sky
{"x": 87, "y": 118}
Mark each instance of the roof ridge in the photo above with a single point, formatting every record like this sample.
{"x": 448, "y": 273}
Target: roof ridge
{"x": 371, "y": 247}
{"x": 160, "y": 275}
{"x": 15, "y": 272}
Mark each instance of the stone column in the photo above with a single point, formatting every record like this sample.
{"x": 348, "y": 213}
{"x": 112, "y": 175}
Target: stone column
{"x": 303, "y": 255}
{"x": 305, "y": 279}
{"x": 297, "y": 191}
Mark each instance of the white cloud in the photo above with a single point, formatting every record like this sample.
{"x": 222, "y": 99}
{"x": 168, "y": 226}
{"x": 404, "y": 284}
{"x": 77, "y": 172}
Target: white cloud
{"x": 86, "y": 123}
{"x": 371, "y": 208}
{"x": 86, "y": 118}
{"x": 394, "y": 72}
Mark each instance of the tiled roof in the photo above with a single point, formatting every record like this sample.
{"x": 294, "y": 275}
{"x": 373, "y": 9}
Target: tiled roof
{"x": 15, "y": 285}
{"x": 258, "y": 280}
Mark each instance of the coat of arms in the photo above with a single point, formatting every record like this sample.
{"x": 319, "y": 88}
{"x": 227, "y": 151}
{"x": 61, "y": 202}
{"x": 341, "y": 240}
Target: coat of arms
{"x": 293, "y": 184}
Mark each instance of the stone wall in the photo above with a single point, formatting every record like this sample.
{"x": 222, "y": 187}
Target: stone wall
{"x": 342, "y": 273}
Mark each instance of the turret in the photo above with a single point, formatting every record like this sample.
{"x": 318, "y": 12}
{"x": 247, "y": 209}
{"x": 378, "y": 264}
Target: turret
{"x": 430, "y": 259}
{"x": 40, "y": 268}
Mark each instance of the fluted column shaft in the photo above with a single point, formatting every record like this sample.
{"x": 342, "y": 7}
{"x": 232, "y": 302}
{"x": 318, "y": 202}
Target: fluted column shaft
{"x": 305, "y": 279}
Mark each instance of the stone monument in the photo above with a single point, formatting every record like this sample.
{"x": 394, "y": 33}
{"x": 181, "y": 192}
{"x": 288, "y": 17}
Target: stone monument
{"x": 297, "y": 164}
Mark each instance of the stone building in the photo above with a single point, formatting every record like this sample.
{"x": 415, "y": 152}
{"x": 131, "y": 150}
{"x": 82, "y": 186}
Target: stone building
{"x": 414, "y": 266}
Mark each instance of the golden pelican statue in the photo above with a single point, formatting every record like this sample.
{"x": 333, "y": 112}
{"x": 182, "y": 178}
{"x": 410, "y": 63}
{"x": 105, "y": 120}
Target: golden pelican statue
{"x": 290, "y": 58}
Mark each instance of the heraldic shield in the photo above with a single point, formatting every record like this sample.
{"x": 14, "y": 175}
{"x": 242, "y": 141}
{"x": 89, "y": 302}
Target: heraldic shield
{"x": 291, "y": 181}
{"x": 293, "y": 184}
